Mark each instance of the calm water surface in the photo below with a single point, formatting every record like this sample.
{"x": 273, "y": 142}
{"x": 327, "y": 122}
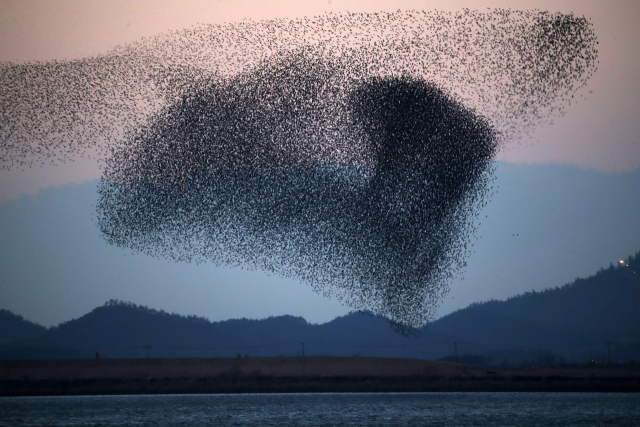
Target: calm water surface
{"x": 385, "y": 409}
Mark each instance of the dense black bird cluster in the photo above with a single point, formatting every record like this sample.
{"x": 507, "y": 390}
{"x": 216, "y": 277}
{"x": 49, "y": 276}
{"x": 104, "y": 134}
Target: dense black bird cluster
{"x": 350, "y": 151}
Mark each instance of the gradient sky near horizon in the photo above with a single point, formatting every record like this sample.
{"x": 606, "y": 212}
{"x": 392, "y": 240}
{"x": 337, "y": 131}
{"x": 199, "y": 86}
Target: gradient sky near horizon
{"x": 600, "y": 134}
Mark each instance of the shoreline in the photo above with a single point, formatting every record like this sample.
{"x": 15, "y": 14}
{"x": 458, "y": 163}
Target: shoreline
{"x": 293, "y": 375}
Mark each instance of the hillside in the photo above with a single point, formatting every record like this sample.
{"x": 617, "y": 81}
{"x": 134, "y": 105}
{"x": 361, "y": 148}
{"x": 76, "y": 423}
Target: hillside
{"x": 120, "y": 329}
{"x": 15, "y": 328}
{"x": 570, "y": 323}
{"x": 607, "y": 305}
{"x": 574, "y": 321}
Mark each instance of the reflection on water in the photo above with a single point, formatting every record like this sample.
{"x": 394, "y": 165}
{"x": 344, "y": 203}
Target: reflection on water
{"x": 384, "y": 409}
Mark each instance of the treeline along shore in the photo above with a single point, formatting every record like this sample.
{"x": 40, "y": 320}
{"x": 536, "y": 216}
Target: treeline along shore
{"x": 293, "y": 375}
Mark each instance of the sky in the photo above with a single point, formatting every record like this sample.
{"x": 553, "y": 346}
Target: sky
{"x": 569, "y": 190}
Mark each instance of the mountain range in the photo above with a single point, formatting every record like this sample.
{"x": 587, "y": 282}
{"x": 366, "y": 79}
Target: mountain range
{"x": 594, "y": 319}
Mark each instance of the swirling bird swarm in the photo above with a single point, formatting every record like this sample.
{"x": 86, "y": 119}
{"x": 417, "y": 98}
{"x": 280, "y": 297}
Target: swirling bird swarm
{"x": 351, "y": 151}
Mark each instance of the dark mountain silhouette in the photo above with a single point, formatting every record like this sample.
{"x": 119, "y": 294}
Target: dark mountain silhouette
{"x": 120, "y": 329}
{"x": 14, "y": 327}
{"x": 606, "y": 306}
{"x": 573, "y": 322}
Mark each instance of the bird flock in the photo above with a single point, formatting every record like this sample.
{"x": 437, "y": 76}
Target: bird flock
{"x": 350, "y": 151}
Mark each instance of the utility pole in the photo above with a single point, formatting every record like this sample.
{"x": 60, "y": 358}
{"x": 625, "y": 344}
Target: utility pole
{"x": 455, "y": 344}
{"x": 302, "y": 349}
{"x": 147, "y": 347}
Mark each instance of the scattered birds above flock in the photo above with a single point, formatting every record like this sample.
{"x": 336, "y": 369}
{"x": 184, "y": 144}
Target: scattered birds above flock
{"x": 350, "y": 151}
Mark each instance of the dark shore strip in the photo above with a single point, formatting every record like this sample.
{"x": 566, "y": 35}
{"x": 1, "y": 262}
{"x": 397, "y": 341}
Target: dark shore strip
{"x": 223, "y": 384}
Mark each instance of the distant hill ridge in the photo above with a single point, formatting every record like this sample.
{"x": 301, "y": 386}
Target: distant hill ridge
{"x": 573, "y": 321}
{"x": 605, "y": 305}
{"x": 14, "y": 327}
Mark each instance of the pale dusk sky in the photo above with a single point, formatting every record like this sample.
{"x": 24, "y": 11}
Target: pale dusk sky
{"x": 601, "y": 133}
{"x": 598, "y": 140}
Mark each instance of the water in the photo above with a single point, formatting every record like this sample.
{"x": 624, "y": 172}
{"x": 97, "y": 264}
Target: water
{"x": 331, "y": 409}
